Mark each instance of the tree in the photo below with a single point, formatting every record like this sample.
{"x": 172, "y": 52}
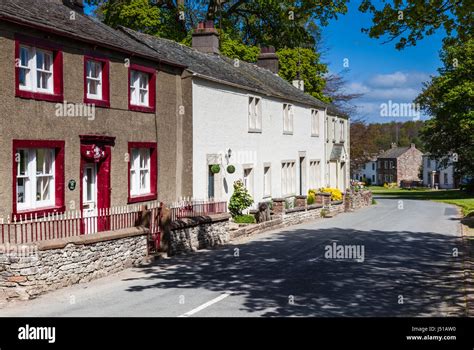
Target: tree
{"x": 302, "y": 63}
{"x": 280, "y": 23}
{"x": 449, "y": 99}
{"x": 334, "y": 89}
{"x": 411, "y": 20}
{"x": 240, "y": 199}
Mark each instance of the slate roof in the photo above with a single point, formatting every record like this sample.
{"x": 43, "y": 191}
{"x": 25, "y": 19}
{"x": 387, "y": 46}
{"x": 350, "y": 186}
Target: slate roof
{"x": 53, "y": 16}
{"x": 220, "y": 68}
{"x": 394, "y": 152}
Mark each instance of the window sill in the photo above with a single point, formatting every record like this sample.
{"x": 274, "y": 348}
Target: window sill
{"x": 40, "y": 212}
{"x": 40, "y": 96}
{"x": 142, "y": 198}
{"x": 97, "y": 103}
{"x": 314, "y": 135}
{"x": 143, "y": 109}
{"x": 287, "y": 132}
{"x": 255, "y": 131}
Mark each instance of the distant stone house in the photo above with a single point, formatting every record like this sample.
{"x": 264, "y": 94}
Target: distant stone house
{"x": 89, "y": 117}
{"x": 399, "y": 164}
{"x": 438, "y": 174}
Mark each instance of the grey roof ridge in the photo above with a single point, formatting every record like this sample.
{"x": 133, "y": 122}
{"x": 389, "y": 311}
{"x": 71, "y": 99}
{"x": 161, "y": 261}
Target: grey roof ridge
{"x": 132, "y": 32}
{"x": 41, "y": 24}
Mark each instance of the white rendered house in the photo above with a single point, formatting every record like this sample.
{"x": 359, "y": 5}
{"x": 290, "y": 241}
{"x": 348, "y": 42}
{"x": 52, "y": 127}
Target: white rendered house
{"x": 244, "y": 115}
{"x": 437, "y": 174}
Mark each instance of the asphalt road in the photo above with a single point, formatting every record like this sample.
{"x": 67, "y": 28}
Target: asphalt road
{"x": 408, "y": 270}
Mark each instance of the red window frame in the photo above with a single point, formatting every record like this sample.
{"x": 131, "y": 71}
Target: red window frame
{"x": 59, "y": 206}
{"x": 58, "y": 95}
{"x": 153, "y": 195}
{"x": 151, "y": 89}
{"x": 105, "y": 101}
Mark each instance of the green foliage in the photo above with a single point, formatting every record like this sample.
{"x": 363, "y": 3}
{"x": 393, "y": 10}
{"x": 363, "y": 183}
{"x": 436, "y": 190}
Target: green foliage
{"x": 324, "y": 213}
{"x": 411, "y": 20}
{"x": 240, "y": 199}
{"x": 311, "y": 198}
{"x": 231, "y": 169}
{"x": 305, "y": 63}
{"x": 449, "y": 99}
{"x": 374, "y": 201}
{"x": 235, "y": 48}
{"x": 368, "y": 139}
{"x": 215, "y": 168}
{"x": 244, "y": 219}
{"x": 142, "y": 15}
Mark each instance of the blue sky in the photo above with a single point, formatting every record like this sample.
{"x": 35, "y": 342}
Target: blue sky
{"x": 377, "y": 70}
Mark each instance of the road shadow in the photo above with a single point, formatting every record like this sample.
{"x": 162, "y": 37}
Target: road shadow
{"x": 403, "y": 274}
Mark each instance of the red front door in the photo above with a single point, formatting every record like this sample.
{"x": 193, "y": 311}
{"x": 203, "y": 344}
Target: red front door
{"x": 95, "y": 167}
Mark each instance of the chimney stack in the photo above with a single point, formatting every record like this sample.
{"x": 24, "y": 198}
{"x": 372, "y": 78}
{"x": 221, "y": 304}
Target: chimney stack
{"x": 412, "y": 145}
{"x": 268, "y": 59}
{"x": 206, "y": 38}
{"x": 76, "y": 5}
{"x": 393, "y": 145}
{"x": 299, "y": 84}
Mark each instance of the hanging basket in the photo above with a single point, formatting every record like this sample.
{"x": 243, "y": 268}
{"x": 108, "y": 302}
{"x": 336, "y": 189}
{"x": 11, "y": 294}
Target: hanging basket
{"x": 215, "y": 168}
{"x": 231, "y": 169}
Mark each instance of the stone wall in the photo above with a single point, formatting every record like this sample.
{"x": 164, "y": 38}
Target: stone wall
{"x": 191, "y": 234}
{"x": 47, "y": 265}
{"x": 355, "y": 200}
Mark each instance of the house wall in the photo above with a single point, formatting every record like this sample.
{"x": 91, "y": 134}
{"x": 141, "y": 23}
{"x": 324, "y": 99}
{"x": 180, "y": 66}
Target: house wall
{"x": 220, "y": 122}
{"x": 337, "y": 173}
{"x": 409, "y": 164}
{"x": 36, "y": 120}
{"x": 430, "y": 165}
{"x": 368, "y": 171}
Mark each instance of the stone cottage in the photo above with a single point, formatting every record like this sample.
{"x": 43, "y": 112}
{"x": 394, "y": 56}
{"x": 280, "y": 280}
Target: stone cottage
{"x": 89, "y": 117}
{"x": 399, "y": 164}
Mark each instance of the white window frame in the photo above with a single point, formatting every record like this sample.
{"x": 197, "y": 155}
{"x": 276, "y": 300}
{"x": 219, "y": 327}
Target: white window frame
{"x": 341, "y": 131}
{"x": 248, "y": 179}
{"x": 288, "y": 117}
{"x": 288, "y": 178}
{"x": 32, "y": 70}
{"x": 315, "y": 173}
{"x": 32, "y": 176}
{"x": 267, "y": 181}
{"x": 99, "y": 79}
{"x": 136, "y": 170}
{"x": 314, "y": 122}
{"x": 255, "y": 114}
{"x": 136, "y": 89}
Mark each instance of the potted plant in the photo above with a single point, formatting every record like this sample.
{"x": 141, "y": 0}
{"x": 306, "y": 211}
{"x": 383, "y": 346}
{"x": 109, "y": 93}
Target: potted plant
{"x": 231, "y": 169}
{"x": 215, "y": 168}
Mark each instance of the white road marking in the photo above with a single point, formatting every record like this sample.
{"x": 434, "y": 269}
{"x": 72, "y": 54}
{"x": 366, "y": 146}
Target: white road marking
{"x": 205, "y": 305}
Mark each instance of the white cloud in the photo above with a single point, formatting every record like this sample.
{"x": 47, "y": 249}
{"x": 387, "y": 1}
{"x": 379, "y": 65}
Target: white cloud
{"x": 389, "y": 80}
{"x": 401, "y": 87}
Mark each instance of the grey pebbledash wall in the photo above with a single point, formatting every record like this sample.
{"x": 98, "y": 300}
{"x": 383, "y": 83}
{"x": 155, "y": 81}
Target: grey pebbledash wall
{"x": 49, "y": 265}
